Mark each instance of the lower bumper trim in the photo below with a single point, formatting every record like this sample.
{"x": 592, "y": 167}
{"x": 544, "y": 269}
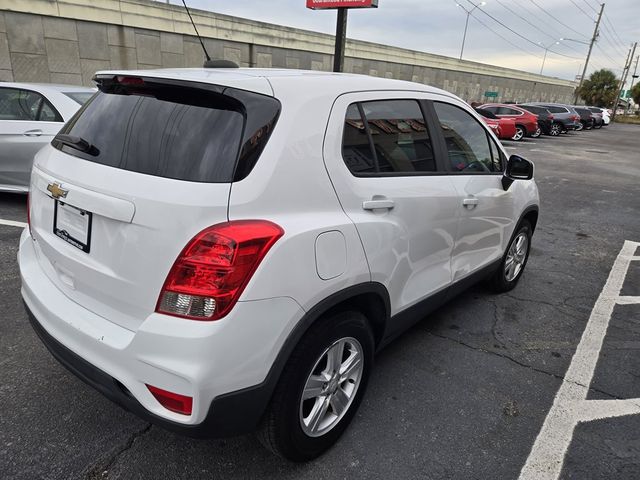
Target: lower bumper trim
{"x": 231, "y": 414}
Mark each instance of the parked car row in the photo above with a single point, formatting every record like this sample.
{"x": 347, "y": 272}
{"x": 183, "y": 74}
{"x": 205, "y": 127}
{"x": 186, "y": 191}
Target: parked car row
{"x": 517, "y": 121}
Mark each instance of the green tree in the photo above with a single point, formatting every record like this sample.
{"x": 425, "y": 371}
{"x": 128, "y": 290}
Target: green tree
{"x": 600, "y": 89}
{"x": 635, "y": 93}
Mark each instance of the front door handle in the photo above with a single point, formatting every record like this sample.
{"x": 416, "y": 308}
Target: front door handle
{"x": 378, "y": 203}
{"x": 33, "y": 133}
{"x": 470, "y": 202}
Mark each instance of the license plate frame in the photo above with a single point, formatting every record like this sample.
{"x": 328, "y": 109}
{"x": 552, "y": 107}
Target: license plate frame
{"x": 71, "y": 222}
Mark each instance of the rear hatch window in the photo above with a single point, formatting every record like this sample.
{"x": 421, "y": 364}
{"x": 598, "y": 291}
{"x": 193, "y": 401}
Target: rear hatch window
{"x": 184, "y": 131}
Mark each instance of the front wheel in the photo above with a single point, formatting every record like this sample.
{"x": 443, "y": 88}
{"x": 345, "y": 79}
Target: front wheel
{"x": 513, "y": 261}
{"x": 320, "y": 388}
{"x": 520, "y": 133}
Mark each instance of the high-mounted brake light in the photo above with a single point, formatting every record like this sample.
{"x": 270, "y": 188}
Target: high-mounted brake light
{"x": 209, "y": 275}
{"x": 172, "y": 401}
{"x": 133, "y": 81}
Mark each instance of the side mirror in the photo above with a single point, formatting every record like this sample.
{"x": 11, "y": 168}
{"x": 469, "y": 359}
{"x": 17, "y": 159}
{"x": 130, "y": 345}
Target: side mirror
{"x": 518, "y": 168}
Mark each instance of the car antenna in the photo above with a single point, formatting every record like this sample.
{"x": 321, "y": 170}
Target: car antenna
{"x": 208, "y": 63}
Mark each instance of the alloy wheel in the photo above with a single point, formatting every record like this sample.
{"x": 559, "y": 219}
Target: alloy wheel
{"x": 519, "y": 134}
{"x": 516, "y": 256}
{"x": 331, "y": 386}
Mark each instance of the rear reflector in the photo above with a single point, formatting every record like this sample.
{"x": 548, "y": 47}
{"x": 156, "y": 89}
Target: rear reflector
{"x": 209, "y": 275}
{"x": 172, "y": 401}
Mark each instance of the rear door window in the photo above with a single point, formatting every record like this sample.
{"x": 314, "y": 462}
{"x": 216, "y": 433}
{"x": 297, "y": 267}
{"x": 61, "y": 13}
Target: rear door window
{"x": 16, "y": 104}
{"x": 388, "y": 136}
{"x": 171, "y": 131}
{"x": 508, "y": 111}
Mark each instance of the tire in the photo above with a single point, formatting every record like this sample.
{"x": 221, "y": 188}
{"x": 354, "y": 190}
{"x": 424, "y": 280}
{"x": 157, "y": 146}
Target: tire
{"x": 537, "y": 133}
{"x": 555, "y": 129}
{"x": 520, "y": 133}
{"x": 579, "y": 127}
{"x": 288, "y": 429}
{"x": 598, "y": 126}
{"x": 508, "y": 274}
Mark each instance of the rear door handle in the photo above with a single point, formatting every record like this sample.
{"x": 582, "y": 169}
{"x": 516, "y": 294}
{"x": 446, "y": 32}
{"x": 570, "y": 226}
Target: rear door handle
{"x": 376, "y": 204}
{"x": 470, "y": 202}
{"x": 33, "y": 133}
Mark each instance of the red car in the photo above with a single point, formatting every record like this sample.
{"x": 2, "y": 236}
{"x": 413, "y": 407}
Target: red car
{"x": 504, "y": 128}
{"x": 526, "y": 122}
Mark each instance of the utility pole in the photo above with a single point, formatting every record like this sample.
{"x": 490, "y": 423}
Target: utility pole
{"x": 627, "y": 67}
{"x": 586, "y": 63}
{"x": 633, "y": 80}
{"x": 341, "y": 40}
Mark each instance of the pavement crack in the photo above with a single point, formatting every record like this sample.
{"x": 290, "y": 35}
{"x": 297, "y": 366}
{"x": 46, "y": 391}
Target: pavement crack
{"x": 524, "y": 365}
{"x": 100, "y": 470}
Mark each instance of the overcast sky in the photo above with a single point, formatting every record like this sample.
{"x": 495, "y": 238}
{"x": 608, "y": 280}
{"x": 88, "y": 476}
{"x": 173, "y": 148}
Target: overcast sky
{"x": 436, "y": 26}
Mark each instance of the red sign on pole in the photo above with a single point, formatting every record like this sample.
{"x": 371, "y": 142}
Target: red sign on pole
{"x": 320, "y": 4}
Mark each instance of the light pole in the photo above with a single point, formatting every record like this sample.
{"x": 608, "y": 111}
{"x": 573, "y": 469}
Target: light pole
{"x": 466, "y": 23}
{"x": 546, "y": 50}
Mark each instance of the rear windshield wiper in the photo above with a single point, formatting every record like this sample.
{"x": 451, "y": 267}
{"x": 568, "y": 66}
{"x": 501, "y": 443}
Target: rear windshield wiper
{"x": 77, "y": 143}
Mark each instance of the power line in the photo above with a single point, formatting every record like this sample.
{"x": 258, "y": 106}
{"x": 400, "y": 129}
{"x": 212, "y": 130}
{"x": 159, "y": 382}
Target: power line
{"x": 554, "y": 18}
{"x": 501, "y": 36}
{"x": 618, "y": 49}
{"x": 580, "y": 8}
{"x": 613, "y": 29}
{"x": 595, "y": 10}
{"x": 519, "y": 35}
{"x": 527, "y": 21}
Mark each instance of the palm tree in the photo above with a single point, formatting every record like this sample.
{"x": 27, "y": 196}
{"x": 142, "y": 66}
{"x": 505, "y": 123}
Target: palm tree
{"x": 600, "y": 89}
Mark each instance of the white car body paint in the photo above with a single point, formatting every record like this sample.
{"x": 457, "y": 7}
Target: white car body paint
{"x": 101, "y": 305}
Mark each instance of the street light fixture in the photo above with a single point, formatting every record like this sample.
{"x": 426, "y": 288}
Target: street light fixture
{"x": 546, "y": 50}
{"x": 466, "y": 23}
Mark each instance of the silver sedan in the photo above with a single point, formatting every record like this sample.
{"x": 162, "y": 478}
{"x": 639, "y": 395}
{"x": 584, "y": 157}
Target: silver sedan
{"x": 30, "y": 116}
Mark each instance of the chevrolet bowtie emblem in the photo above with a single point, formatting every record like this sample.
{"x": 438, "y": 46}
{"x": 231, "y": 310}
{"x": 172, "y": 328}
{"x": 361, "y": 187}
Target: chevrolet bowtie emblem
{"x": 57, "y": 191}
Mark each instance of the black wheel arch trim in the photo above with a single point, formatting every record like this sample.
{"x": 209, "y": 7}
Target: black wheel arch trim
{"x": 530, "y": 209}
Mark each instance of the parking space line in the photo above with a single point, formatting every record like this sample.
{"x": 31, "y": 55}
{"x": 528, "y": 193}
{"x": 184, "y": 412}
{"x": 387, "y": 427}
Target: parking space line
{"x": 628, "y": 300}
{"x": 591, "y": 410}
{"x": 548, "y": 452}
{"x": 12, "y": 223}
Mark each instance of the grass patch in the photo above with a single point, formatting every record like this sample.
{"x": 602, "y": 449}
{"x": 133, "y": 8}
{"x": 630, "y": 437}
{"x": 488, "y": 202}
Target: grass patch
{"x": 628, "y": 119}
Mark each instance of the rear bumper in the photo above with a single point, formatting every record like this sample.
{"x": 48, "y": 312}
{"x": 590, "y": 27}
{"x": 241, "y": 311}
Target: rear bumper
{"x": 197, "y": 359}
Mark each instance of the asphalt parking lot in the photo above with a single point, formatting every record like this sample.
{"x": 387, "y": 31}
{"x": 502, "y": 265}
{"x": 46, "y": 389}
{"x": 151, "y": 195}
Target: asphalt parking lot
{"x": 462, "y": 395}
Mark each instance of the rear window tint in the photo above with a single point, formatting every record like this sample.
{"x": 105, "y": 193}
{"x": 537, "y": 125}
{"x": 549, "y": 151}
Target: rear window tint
{"x": 79, "y": 97}
{"x": 172, "y": 131}
{"x": 553, "y": 109}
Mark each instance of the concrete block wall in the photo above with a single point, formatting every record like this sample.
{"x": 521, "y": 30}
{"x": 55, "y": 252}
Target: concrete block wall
{"x": 39, "y": 44}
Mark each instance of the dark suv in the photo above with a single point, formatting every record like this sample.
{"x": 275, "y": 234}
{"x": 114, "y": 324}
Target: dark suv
{"x": 563, "y": 114}
{"x": 546, "y": 121}
{"x": 587, "y": 119}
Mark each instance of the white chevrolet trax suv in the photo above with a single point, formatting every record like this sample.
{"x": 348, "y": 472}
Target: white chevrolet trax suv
{"x": 224, "y": 250}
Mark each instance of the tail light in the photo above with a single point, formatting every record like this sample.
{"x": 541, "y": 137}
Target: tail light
{"x": 209, "y": 275}
{"x": 172, "y": 401}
